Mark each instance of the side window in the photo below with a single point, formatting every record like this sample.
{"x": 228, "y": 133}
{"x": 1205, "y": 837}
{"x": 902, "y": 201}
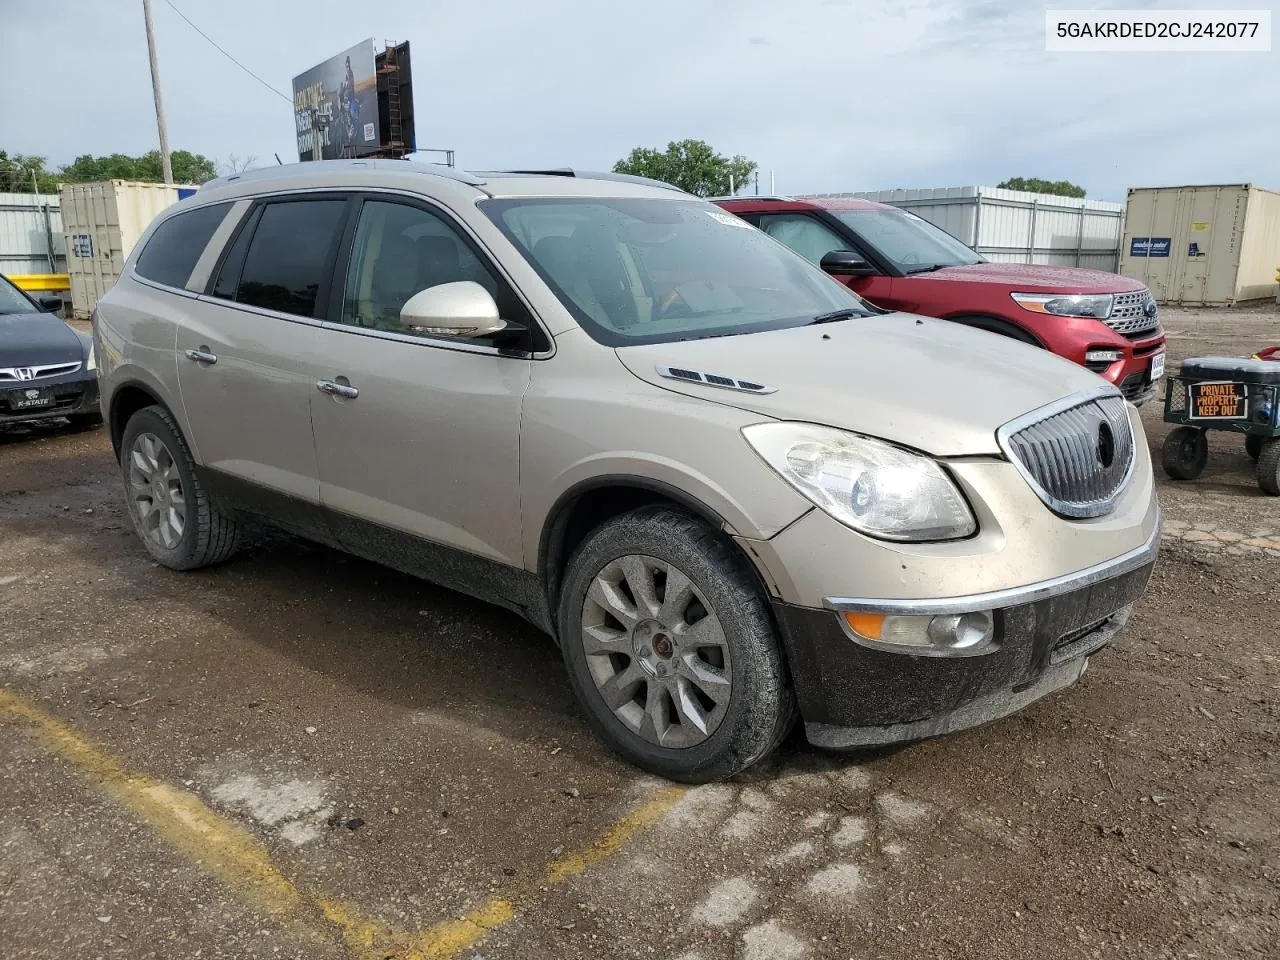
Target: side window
{"x": 288, "y": 255}
{"x": 175, "y": 247}
{"x": 803, "y": 234}
{"x": 400, "y": 250}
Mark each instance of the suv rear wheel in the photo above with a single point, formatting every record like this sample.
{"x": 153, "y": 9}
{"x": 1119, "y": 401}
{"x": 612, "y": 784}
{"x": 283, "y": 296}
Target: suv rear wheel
{"x": 172, "y": 515}
{"x": 671, "y": 648}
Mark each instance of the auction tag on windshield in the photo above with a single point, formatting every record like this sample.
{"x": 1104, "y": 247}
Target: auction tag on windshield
{"x": 1218, "y": 400}
{"x": 728, "y": 219}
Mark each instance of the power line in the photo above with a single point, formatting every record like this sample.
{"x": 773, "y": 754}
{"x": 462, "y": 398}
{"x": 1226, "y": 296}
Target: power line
{"x": 227, "y": 55}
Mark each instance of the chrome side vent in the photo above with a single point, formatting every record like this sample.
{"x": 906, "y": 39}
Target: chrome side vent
{"x": 714, "y": 380}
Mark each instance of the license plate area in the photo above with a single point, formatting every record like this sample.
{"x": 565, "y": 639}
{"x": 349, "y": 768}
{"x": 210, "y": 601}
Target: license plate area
{"x": 30, "y": 399}
{"x": 1157, "y": 366}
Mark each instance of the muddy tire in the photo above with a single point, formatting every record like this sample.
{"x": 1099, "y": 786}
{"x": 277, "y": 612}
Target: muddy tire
{"x": 172, "y": 514}
{"x": 1269, "y": 468}
{"x": 1185, "y": 453}
{"x": 671, "y": 647}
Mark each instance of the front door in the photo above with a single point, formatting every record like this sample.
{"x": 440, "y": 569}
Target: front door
{"x": 418, "y": 447}
{"x": 245, "y": 353}
{"x": 813, "y": 239}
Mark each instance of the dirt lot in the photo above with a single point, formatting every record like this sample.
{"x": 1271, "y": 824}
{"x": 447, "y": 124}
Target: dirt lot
{"x": 302, "y": 755}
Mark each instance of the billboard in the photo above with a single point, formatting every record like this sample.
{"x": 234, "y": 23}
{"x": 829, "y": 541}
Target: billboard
{"x": 335, "y": 106}
{"x": 395, "y": 101}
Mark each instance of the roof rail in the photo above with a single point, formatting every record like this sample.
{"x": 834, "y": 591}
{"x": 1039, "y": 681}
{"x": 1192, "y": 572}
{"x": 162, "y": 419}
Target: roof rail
{"x": 750, "y": 196}
{"x": 318, "y": 166}
{"x": 597, "y": 175}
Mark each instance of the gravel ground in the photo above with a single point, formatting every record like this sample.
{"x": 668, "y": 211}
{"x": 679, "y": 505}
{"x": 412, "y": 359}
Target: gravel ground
{"x": 414, "y": 756}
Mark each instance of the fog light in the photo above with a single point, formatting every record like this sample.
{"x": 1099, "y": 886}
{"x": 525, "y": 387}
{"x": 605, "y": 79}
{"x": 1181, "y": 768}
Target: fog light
{"x": 957, "y": 634}
{"x": 1102, "y": 356}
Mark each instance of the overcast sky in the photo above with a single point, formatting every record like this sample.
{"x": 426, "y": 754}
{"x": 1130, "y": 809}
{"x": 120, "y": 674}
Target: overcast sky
{"x": 832, "y": 95}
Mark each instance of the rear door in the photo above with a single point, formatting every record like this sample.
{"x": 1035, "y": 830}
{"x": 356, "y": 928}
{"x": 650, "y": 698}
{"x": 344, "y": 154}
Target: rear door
{"x": 426, "y": 440}
{"x": 247, "y": 351}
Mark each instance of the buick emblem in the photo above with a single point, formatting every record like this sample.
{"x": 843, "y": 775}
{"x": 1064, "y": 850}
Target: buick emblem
{"x": 25, "y": 373}
{"x": 1106, "y": 445}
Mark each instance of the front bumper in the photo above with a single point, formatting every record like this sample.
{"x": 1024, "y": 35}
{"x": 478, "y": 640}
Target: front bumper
{"x": 854, "y": 696}
{"x": 70, "y": 396}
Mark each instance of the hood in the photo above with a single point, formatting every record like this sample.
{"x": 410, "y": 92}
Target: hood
{"x": 928, "y": 384}
{"x": 32, "y": 339}
{"x": 1023, "y": 277}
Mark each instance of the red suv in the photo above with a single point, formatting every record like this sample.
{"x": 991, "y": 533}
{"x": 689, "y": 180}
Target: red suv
{"x": 900, "y": 261}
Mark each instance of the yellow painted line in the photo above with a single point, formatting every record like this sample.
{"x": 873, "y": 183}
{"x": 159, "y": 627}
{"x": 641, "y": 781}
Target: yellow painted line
{"x": 225, "y": 849}
{"x": 41, "y": 281}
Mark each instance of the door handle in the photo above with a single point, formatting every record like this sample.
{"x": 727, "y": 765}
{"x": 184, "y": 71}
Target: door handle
{"x": 202, "y": 356}
{"x": 336, "y": 389}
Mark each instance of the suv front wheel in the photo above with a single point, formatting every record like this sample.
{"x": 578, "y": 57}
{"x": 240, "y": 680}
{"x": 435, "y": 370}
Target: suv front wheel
{"x": 671, "y": 648}
{"x": 172, "y": 515}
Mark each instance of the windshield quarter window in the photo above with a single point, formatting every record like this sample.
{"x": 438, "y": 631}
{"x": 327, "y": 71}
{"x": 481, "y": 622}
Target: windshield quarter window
{"x": 653, "y": 270}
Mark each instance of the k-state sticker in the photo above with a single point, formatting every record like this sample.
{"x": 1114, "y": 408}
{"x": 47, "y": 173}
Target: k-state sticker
{"x": 728, "y": 219}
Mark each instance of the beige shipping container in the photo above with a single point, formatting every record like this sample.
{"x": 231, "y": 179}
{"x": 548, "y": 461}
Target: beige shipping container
{"x": 101, "y": 222}
{"x": 1203, "y": 246}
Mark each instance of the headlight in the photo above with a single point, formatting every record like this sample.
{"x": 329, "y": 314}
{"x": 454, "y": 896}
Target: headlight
{"x": 1096, "y": 305}
{"x": 91, "y": 362}
{"x": 874, "y": 487}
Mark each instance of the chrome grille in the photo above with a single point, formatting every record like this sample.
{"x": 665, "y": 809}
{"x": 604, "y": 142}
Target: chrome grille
{"x": 1076, "y": 454}
{"x": 26, "y": 374}
{"x": 1129, "y": 316}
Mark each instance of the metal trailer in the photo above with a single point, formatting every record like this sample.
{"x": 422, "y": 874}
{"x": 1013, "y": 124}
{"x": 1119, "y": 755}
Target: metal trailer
{"x": 31, "y": 235}
{"x": 101, "y": 222}
{"x": 1203, "y": 245}
{"x": 1016, "y": 226}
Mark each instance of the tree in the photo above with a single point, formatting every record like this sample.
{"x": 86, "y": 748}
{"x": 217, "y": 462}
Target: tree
{"x": 1061, "y": 188}
{"x": 16, "y": 170}
{"x": 236, "y": 164}
{"x": 691, "y": 165}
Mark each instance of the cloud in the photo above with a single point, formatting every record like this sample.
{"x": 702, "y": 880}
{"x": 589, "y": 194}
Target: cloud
{"x": 838, "y": 96}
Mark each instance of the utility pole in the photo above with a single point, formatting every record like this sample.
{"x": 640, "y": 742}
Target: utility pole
{"x": 165, "y": 163}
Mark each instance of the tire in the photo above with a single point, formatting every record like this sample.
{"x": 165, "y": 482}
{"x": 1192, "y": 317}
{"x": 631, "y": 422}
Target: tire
{"x": 648, "y": 671}
{"x": 156, "y": 465}
{"x": 85, "y": 421}
{"x": 1269, "y": 467}
{"x": 1253, "y": 447}
{"x": 1185, "y": 453}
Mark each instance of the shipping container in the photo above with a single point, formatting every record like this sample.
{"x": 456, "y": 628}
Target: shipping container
{"x": 30, "y": 235}
{"x": 101, "y": 223}
{"x": 1203, "y": 246}
{"x": 1016, "y": 226}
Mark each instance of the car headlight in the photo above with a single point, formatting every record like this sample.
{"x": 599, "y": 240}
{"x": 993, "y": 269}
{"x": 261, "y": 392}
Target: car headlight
{"x": 869, "y": 485}
{"x": 1096, "y": 305}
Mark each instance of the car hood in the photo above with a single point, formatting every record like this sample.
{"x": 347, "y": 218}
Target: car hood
{"x": 1034, "y": 276}
{"x": 928, "y": 384}
{"x": 30, "y": 339}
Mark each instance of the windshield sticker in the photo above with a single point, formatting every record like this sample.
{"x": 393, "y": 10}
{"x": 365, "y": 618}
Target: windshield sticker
{"x": 728, "y": 219}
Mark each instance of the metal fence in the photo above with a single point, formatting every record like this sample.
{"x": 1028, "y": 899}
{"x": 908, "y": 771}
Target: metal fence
{"x": 1015, "y": 226}
{"x": 31, "y": 234}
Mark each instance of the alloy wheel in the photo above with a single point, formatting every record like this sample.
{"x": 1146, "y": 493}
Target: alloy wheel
{"x": 656, "y": 651}
{"x": 156, "y": 496}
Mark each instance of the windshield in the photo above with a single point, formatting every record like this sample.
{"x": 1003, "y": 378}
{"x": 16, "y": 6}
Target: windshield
{"x": 637, "y": 271}
{"x": 12, "y": 300}
{"x": 910, "y": 243}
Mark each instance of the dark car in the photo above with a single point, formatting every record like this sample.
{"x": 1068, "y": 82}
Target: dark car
{"x": 47, "y": 369}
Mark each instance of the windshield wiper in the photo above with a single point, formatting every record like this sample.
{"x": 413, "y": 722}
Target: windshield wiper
{"x": 932, "y": 267}
{"x": 844, "y": 313}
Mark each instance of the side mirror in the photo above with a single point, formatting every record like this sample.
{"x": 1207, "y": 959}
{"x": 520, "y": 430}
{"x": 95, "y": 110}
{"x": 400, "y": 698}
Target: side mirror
{"x": 51, "y": 304}
{"x": 846, "y": 263}
{"x": 461, "y": 309}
